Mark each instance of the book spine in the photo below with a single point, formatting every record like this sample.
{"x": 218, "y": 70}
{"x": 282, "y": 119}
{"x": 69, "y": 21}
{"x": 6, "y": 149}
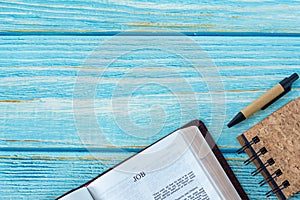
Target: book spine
{"x": 254, "y": 156}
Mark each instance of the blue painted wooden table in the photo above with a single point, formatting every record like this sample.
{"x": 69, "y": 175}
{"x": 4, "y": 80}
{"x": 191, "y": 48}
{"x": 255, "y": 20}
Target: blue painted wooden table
{"x": 67, "y": 114}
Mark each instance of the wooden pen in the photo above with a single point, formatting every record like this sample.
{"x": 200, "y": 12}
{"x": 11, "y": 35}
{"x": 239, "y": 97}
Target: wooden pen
{"x": 265, "y": 100}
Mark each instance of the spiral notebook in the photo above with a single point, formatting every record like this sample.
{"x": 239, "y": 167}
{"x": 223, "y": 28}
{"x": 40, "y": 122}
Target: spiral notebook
{"x": 273, "y": 145}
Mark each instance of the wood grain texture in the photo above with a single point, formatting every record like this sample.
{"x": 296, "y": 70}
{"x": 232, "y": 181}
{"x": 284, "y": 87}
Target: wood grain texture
{"x": 38, "y": 77}
{"x": 267, "y": 16}
{"x": 46, "y": 176}
{"x": 45, "y": 45}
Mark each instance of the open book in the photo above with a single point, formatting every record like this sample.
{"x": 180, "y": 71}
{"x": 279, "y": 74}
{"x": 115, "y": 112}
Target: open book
{"x": 184, "y": 165}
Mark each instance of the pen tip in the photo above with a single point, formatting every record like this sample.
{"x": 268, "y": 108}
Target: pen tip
{"x": 237, "y": 119}
{"x": 294, "y": 77}
{"x": 230, "y": 124}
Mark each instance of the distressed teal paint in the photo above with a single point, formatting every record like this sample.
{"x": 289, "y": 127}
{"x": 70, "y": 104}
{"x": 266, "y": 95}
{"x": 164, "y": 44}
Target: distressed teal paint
{"x": 188, "y": 16}
{"x": 40, "y": 72}
{"x": 43, "y": 45}
{"x": 36, "y": 175}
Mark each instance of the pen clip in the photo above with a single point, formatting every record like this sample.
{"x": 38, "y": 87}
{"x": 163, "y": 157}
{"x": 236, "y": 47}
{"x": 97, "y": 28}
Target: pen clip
{"x": 278, "y": 97}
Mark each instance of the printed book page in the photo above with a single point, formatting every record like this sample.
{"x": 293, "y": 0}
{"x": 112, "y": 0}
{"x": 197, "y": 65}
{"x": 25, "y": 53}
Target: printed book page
{"x": 79, "y": 194}
{"x": 168, "y": 170}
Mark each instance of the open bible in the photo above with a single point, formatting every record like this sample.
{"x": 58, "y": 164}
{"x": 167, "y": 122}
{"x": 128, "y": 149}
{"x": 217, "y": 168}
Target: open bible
{"x": 184, "y": 165}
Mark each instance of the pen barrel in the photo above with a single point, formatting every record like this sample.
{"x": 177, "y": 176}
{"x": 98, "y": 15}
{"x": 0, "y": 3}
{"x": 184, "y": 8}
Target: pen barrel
{"x": 263, "y": 100}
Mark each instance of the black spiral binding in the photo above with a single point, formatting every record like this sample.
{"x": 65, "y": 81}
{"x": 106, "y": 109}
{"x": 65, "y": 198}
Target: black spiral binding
{"x": 275, "y": 174}
{"x": 262, "y": 151}
{"x": 263, "y": 167}
{"x": 284, "y": 184}
{"x": 248, "y": 144}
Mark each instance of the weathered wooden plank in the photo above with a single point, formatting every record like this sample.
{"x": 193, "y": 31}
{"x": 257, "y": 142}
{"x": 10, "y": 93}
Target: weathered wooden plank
{"x": 38, "y": 76}
{"x": 71, "y": 51}
{"x": 48, "y": 175}
{"x": 37, "y": 175}
{"x": 183, "y": 16}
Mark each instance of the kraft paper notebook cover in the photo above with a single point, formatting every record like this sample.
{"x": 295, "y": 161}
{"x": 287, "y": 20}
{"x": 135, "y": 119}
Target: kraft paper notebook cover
{"x": 273, "y": 145}
{"x": 199, "y": 171}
